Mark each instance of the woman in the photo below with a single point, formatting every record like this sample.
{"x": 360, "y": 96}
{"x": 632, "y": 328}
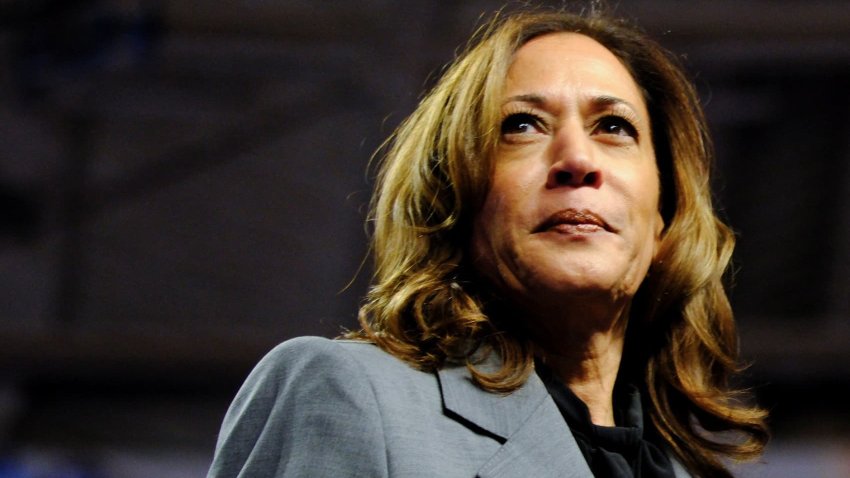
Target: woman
{"x": 548, "y": 295}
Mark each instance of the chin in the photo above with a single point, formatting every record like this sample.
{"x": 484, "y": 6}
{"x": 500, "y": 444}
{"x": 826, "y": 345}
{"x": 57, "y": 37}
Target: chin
{"x": 575, "y": 282}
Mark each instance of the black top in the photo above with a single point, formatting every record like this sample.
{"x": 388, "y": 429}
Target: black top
{"x": 611, "y": 452}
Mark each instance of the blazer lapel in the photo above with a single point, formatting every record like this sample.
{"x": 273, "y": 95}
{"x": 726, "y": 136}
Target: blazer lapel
{"x": 536, "y": 439}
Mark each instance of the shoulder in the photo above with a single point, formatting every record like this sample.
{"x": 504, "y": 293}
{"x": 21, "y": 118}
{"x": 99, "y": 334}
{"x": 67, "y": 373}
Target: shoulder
{"x": 309, "y": 403}
{"x": 321, "y": 357}
{"x": 316, "y": 366}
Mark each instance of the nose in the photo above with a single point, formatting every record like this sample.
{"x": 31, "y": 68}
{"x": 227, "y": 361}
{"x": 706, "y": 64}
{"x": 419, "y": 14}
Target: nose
{"x": 573, "y": 164}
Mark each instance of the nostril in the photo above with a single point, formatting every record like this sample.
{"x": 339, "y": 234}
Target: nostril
{"x": 563, "y": 177}
{"x": 590, "y": 178}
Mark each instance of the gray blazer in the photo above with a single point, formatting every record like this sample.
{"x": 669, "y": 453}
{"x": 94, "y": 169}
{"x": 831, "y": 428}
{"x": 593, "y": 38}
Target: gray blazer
{"x": 315, "y": 407}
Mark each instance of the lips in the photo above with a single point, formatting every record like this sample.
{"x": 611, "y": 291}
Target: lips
{"x": 573, "y": 220}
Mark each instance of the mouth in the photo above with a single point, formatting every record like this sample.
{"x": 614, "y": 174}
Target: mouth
{"x": 574, "y": 221}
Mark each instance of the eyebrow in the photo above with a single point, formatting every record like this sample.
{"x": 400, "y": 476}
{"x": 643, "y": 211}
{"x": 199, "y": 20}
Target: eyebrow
{"x": 599, "y": 102}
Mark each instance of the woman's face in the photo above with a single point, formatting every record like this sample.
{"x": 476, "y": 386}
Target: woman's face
{"x": 573, "y": 200}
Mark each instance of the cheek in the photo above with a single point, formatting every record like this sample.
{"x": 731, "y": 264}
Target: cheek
{"x": 644, "y": 196}
{"x": 481, "y": 243}
{"x": 495, "y": 226}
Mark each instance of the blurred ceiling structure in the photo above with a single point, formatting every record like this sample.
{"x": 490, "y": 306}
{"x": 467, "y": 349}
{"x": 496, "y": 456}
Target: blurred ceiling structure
{"x": 183, "y": 184}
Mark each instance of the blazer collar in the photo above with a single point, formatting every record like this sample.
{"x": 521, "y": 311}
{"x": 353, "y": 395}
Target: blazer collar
{"x": 535, "y": 438}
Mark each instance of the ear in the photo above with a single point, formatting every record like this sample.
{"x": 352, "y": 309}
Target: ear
{"x": 659, "y": 233}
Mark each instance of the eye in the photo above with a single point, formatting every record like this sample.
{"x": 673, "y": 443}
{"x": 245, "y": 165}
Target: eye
{"x": 615, "y": 126}
{"x": 521, "y": 123}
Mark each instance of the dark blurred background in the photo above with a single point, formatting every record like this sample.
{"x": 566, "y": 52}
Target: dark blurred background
{"x": 183, "y": 185}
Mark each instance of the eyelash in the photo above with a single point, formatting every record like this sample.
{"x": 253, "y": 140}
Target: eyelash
{"x": 521, "y": 117}
{"x": 513, "y": 121}
{"x": 619, "y": 121}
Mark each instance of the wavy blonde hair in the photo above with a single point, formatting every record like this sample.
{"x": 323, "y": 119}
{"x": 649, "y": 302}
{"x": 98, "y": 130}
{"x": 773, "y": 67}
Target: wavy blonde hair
{"x": 425, "y": 308}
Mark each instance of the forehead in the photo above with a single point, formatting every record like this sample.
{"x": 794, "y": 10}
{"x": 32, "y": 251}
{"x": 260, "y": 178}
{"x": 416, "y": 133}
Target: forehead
{"x": 556, "y": 64}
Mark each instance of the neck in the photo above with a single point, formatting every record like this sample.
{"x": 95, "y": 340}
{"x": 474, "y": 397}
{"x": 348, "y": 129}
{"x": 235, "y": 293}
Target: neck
{"x": 586, "y": 358}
